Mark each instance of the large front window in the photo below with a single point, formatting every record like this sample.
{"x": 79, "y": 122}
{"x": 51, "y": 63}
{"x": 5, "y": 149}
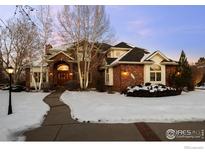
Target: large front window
{"x": 155, "y": 73}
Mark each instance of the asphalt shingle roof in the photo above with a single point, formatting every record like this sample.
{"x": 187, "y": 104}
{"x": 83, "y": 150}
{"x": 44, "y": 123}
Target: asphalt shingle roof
{"x": 123, "y": 45}
{"x": 136, "y": 54}
{"x": 110, "y": 60}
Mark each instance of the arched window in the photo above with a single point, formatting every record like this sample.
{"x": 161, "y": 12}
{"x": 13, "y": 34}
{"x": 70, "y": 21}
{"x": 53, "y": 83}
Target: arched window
{"x": 155, "y": 72}
{"x": 62, "y": 67}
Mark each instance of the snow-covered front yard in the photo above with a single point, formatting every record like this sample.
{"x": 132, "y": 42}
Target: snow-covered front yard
{"x": 116, "y": 108}
{"x": 28, "y": 112}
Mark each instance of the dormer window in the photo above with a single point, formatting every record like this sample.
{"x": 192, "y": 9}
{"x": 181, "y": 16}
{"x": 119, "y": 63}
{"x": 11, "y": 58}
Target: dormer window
{"x": 118, "y": 53}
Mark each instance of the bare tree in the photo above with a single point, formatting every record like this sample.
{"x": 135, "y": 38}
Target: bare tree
{"x": 84, "y": 26}
{"x": 19, "y": 41}
{"x": 2, "y": 71}
{"x": 44, "y": 25}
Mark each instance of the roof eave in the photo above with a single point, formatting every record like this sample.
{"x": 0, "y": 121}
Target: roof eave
{"x": 169, "y": 63}
{"x": 130, "y": 62}
{"x": 119, "y": 48}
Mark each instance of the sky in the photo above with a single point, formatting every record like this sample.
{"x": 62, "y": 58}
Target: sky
{"x": 169, "y": 29}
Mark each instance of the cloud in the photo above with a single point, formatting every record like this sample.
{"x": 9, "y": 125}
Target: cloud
{"x": 140, "y": 27}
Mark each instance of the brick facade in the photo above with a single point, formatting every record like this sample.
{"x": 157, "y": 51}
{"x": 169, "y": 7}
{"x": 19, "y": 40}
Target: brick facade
{"x": 124, "y": 74}
{"x": 121, "y": 81}
{"x": 61, "y": 58}
{"x": 170, "y": 70}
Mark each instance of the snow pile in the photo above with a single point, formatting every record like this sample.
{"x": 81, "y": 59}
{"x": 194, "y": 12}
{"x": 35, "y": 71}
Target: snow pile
{"x": 150, "y": 88}
{"x": 115, "y": 108}
{"x": 28, "y": 112}
{"x": 202, "y": 87}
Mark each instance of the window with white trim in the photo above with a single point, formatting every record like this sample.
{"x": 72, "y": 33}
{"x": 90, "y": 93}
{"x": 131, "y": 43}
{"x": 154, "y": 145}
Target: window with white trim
{"x": 155, "y": 73}
{"x": 107, "y": 76}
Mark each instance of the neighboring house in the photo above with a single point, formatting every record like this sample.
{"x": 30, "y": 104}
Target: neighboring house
{"x": 201, "y": 67}
{"x": 117, "y": 66}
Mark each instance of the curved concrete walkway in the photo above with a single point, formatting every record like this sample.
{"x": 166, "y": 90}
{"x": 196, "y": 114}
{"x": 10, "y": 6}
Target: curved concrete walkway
{"x": 59, "y": 126}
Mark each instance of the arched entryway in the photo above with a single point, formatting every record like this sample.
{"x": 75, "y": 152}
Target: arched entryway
{"x": 63, "y": 73}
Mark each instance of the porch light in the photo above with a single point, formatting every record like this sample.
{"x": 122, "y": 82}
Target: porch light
{"x": 124, "y": 73}
{"x": 178, "y": 73}
{"x": 9, "y": 70}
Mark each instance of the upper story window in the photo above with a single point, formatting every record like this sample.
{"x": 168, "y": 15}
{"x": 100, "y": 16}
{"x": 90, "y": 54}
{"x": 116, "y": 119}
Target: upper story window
{"x": 155, "y": 73}
{"x": 118, "y": 53}
{"x": 115, "y": 53}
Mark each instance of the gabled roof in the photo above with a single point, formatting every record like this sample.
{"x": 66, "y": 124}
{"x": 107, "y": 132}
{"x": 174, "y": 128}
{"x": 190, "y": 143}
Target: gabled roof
{"x": 103, "y": 46}
{"x": 123, "y": 45}
{"x": 165, "y": 61}
{"x": 62, "y": 53}
{"x": 110, "y": 60}
{"x": 136, "y": 54}
{"x": 154, "y": 53}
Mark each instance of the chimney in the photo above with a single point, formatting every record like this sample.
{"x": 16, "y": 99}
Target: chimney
{"x": 47, "y": 48}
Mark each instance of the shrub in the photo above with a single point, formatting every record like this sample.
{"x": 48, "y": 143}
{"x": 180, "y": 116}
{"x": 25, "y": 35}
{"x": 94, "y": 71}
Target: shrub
{"x": 152, "y": 91}
{"x": 72, "y": 85}
{"x": 100, "y": 86}
{"x": 147, "y": 84}
{"x": 21, "y": 83}
{"x": 46, "y": 87}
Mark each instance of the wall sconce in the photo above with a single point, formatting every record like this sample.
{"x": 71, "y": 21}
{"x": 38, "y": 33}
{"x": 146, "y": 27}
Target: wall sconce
{"x": 50, "y": 74}
{"x": 178, "y": 73}
{"x": 71, "y": 74}
{"x": 124, "y": 73}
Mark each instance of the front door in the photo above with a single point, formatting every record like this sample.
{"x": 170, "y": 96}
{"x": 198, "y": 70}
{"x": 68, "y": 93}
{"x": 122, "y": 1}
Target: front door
{"x": 62, "y": 77}
{"x": 62, "y": 74}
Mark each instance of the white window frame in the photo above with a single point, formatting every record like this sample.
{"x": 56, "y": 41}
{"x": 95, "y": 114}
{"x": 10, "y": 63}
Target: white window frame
{"x": 155, "y": 74}
{"x": 109, "y": 76}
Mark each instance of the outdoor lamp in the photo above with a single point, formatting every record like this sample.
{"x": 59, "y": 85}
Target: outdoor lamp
{"x": 124, "y": 73}
{"x": 178, "y": 73}
{"x": 10, "y": 70}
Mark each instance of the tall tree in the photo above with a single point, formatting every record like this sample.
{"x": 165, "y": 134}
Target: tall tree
{"x": 44, "y": 25}
{"x": 184, "y": 75}
{"x": 84, "y": 26}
